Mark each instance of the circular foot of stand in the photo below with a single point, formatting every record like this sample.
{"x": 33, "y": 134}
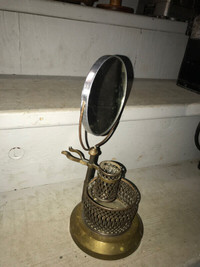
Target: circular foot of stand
{"x": 102, "y": 246}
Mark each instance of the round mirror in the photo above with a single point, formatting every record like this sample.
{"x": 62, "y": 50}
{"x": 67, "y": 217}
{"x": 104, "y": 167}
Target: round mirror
{"x": 104, "y": 93}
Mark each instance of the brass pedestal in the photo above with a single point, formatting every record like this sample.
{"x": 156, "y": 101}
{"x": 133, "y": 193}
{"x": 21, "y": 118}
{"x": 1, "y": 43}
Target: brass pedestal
{"x": 103, "y": 246}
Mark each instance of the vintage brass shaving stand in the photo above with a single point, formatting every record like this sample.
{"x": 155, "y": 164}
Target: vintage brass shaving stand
{"x": 105, "y": 224}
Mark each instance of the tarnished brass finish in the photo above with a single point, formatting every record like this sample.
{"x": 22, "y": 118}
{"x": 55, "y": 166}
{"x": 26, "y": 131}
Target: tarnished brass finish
{"x": 105, "y": 224}
{"x": 111, "y": 218}
{"x": 108, "y": 180}
{"x": 107, "y": 187}
{"x": 106, "y": 210}
{"x": 102, "y": 246}
{"x": 94, "y": 155}
{"x": 94, "y": 151}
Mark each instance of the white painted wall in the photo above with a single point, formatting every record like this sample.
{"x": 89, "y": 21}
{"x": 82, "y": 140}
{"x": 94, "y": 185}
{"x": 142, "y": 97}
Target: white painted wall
{"x": 52, "y": 38}
{"x": 135, "y": 143}
{"x": 40, "y": 116}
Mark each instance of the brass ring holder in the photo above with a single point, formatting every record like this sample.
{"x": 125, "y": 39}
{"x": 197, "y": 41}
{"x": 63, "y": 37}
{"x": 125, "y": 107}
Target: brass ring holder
{"x": 105, "y": 224}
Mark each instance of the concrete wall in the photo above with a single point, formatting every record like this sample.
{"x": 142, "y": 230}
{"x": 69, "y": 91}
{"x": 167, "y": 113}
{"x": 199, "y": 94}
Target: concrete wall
{"x": 52, "y": 38}
{"x": 135, "y": 144}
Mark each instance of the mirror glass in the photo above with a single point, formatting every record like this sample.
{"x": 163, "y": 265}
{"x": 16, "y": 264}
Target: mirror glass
{"x": 104, "y": 94}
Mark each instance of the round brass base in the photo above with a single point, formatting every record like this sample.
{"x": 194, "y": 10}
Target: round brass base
{"x": 102, "y": 246}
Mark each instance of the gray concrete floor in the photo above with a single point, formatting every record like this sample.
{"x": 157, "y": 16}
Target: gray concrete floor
{"x": 34, "y": 222}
